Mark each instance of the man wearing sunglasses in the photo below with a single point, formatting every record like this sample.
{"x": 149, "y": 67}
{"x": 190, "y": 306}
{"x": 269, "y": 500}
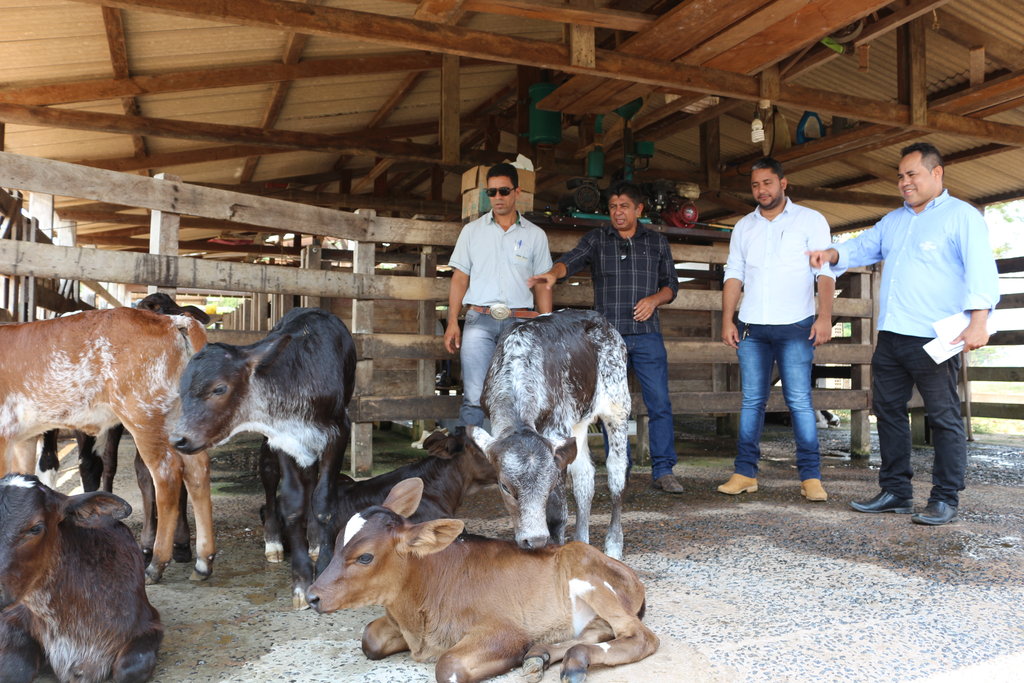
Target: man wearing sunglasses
{"x": 494, "y": 257}
{"x": 633, "y": 274}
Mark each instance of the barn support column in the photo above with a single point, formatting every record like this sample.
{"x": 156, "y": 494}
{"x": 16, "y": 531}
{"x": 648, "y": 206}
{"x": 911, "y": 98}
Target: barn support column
{"x": 310, "y": 260}
{"x": 163, "y": 236}
{"x": 362, "y": 323}
{"x": 426, "y": 370}
{"x": 860, "y": 375}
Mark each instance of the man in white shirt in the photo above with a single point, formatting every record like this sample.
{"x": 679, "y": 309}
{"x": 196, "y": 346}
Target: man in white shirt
{"x": 777, "y": 324}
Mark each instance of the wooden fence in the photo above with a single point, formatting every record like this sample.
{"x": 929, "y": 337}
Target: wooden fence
{"x": 394, "y": 317}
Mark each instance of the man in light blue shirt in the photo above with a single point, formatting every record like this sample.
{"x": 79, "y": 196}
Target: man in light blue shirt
{"x": 938, "y": 262}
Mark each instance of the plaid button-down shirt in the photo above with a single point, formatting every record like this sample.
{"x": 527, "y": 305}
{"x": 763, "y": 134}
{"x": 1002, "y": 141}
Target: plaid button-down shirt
{"x": 623, "y": 272}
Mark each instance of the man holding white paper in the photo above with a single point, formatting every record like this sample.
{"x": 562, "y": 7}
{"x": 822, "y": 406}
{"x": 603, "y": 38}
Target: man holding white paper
{"x": 938, "y": 263}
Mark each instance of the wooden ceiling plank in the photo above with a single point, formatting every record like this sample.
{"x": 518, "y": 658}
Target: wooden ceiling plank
{"x": 822, "y": 54}
{"x": 1007, "y": 53}
{"x": 699, "y": 20}
{"x": 113, "y": 24}
{"x": 617, "y": 20}
{"x": 224, "y": 77}
{"x": 806, "y": 26}
{"x": 440, "y": 11}
{"x": 294, "y": 46}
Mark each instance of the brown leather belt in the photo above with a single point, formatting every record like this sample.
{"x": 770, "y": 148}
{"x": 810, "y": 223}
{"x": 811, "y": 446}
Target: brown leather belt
{"x": 502, "y": 312}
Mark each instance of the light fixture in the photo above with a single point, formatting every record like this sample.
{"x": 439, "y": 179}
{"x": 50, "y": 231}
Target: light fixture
{"x": 757, "y": 129}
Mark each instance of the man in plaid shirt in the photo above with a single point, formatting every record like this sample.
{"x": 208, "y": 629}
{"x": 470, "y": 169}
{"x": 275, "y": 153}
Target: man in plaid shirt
{"x": 633, "y": 274}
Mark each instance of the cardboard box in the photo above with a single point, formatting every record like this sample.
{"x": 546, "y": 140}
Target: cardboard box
{"x": 476, "y": 203}
{"x": 476, "y": 177}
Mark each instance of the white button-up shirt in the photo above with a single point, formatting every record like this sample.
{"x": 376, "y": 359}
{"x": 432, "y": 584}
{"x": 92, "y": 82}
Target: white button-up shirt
{"x": 769, "y": 257}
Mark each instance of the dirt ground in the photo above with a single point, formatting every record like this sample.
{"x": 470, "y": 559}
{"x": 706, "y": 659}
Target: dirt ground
{"x": 760, "y": 587}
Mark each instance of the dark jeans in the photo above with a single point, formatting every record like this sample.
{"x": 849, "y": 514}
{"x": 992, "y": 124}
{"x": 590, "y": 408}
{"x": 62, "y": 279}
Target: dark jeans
{"x": 900, "y": 363}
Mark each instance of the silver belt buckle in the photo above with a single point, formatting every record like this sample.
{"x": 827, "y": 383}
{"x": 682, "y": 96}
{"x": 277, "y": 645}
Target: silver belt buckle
{"x": 500, "y": 312}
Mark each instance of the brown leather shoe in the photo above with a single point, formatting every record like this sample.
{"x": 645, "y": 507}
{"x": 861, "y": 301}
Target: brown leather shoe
{"x": 812, "y": 490}
{"x": 738, "y": 484}
{"x": 668, "y": 483}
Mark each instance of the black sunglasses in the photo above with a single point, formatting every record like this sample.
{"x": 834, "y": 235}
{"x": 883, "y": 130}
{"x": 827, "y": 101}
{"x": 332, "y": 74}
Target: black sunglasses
{"x": 503, "y": 191}
{"x": 624, "y": 248}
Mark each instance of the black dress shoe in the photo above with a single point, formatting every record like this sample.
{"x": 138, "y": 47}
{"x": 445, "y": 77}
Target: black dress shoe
{"x": 935, "y": 514}
{"x": 885, "y": 502}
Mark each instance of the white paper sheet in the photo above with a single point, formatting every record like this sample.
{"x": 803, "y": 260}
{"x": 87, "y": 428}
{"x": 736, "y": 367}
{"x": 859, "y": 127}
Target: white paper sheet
{"x": 949, "y": 328}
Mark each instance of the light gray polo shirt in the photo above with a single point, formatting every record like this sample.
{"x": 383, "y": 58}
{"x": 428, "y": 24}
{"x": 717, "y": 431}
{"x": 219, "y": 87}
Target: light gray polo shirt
{"x": 499, "y": 262}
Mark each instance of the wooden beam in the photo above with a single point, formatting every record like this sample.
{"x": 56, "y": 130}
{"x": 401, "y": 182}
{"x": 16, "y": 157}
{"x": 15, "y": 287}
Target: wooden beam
{"x": 450, "y": 96}
{"x": 114, "y": 26}
{"x": 348, "y": 143}
{"x": 822, "y": 55}
{"x": 414, "y": 34}
{"x": 1006, "y": 52}
{"x": 223, "y": 77}
{"x": 578, "y": 15}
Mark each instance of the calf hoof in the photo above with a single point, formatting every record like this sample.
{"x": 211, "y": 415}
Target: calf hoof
{"x": 202, "y": 570}
{"x": 154, "y": 572}
{"x": 314, "y": 554}
{"x": 299, "y": 599}
{"x": 181, "y": 553}
{"x": 274, "y": 552}
{"x": 533, "y": 668}
{"x": 573, "y": 676}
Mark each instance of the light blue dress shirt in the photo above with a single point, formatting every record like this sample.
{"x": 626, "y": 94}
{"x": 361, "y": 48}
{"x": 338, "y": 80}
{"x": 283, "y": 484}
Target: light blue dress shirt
{"x": 937, "y": 263}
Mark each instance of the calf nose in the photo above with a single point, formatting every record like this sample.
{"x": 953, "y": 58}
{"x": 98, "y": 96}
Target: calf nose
{"x": 314, "y": 601}
{"x": 533, "y": 542}
{"x": 181, "y": 443}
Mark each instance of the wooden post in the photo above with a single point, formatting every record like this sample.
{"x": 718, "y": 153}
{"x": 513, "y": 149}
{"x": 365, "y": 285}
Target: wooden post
{"x": 426, "y": 370}
{"x": 860, "y": 375}
{"x": 163, "y": 235}
{"x": 362, "y": 322}
{"x": 710, "y": 153}
{"x": 450, "y": 104}
{"x": 310, "y": 260}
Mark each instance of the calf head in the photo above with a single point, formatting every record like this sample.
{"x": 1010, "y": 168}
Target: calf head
{"x": 476, "y": 469}
{"x": 530, "y": 469}
{"x": 214, "y": 388}
{"x": 30, "y": 518}
{"x": 158, "y": 302}
{"x": 377, "y": 553}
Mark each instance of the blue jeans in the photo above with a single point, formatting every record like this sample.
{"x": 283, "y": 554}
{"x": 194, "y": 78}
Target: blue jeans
{"x": 646, "y": 357}
{"x": 479, "y": 339}
{"x": 897, "y": 366}
{"x": 761, "y": 346}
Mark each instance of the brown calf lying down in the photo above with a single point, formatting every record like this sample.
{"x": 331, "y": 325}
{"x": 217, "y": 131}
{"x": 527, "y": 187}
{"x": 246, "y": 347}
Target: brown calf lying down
{"x": 477, "y": 606}
{"x": 71, "y": 587}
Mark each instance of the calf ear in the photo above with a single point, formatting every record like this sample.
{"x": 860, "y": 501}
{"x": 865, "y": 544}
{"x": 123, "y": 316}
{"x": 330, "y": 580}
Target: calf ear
{"x": 265, "y": 353}
{"x": 95, "y": 509}
{"x": 432, "y": 537}
{"x": 566, "y": 453}
{"x": 480, "y": 437}
{"x": 441, "y": 445}
{"x": 405, "y": 496}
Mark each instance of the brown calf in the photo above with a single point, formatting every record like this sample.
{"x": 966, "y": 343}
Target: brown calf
{"x": 92, "y": 370}
{"x": 71, "y": 587}
{"x": 479, "y": 606}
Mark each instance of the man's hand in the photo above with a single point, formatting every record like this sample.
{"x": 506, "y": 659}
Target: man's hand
{"x": 821, "y": 257}
{"x": 730, "y": 335}
{"x": 452, "y": 336}
{"x": 645, "y": 308}
{"x": 547, "y": 279}
{"x": 821, "y": 331}
{"x": 975, "y": 336}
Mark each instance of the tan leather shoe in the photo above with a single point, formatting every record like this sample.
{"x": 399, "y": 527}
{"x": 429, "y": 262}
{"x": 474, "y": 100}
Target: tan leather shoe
{"x": 738, "y": 484}
{"x": 812, "y": 490}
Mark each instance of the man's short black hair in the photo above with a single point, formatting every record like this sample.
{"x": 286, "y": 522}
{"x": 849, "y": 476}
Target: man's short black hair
{"x": 624, "y": 187}
{"x": 770, "y": 164}
{"x": 504, "y": 170}
{"x": 930, "y": 155}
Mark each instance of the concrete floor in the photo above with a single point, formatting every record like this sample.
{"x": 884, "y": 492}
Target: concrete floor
{"x": 760, "y": 587}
